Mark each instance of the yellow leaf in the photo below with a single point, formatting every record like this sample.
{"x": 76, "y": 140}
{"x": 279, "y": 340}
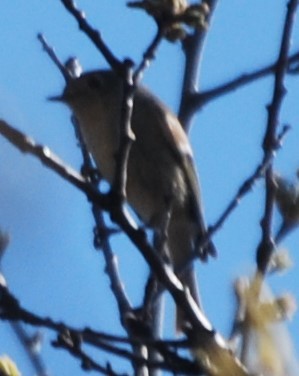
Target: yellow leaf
{"x": 8, "y": 367}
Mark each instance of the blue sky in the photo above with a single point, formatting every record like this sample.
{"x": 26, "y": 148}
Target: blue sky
{"x": 51, "y": 265}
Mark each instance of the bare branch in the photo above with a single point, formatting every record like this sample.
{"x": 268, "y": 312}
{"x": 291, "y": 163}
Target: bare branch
{"x": 127, "y": 137}
{"x": 266, "y": 245}
{"x": 193, "y": 48}
{"x": 27, "y": 145}
{"x": 72, "y": 339}
{"x": 198, "y": 100}
{"x": 242, "y": 191}
{"x": 246, "y": 187}
{"x": 66, "y": 341}
{"x": 51, "y": 53}
{"x": 93, "y": 34}
{"x": 148, "y": 56}
{"x": 34, "y": 357}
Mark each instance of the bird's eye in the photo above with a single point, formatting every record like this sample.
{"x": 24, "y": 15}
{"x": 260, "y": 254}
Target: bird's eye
{"x": 95, "y": 82}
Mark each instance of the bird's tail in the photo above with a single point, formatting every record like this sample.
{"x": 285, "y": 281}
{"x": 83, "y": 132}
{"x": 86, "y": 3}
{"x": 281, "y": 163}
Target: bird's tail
{"x": 182, "y": 235}
{"x": 189, "y": 280}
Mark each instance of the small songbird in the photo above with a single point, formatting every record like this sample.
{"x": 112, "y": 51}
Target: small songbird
{"x": 160, "y": 171}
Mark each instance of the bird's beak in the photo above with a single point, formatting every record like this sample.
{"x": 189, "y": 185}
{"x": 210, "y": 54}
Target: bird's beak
{"x": 58, "y": 98}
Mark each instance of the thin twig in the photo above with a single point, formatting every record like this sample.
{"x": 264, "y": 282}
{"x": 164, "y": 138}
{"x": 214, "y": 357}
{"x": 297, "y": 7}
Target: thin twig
{"x": 119, "y": 187}
{"x": 34, "y": 357}
{"x": 51, "y": 53}
{"x": 127, "y": 137}
{"x": 87, "y": 363}
{"x": 198, "y": 100}
{"x": 266, "y": 244}
{"x": 27, "y": 145}
{"x": 242, "y": 191}
{"x": 193, "y": 47}
{"x": 93, "y": 34}
{"x": 148, "y": 56}
{"x": 12, "y": 310}
{"x": 157, "y": 313}
{"x": 246, "y": 187}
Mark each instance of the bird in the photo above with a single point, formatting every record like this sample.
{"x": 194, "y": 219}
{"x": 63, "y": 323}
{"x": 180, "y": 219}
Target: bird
{"x": 161, "y": 174}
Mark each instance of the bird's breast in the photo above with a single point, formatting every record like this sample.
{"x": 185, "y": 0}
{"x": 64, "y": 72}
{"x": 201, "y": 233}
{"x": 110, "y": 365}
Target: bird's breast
{"x": 100, "y": 134}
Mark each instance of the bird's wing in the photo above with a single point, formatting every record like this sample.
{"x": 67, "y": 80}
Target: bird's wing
{"x": 181, "y": 148}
